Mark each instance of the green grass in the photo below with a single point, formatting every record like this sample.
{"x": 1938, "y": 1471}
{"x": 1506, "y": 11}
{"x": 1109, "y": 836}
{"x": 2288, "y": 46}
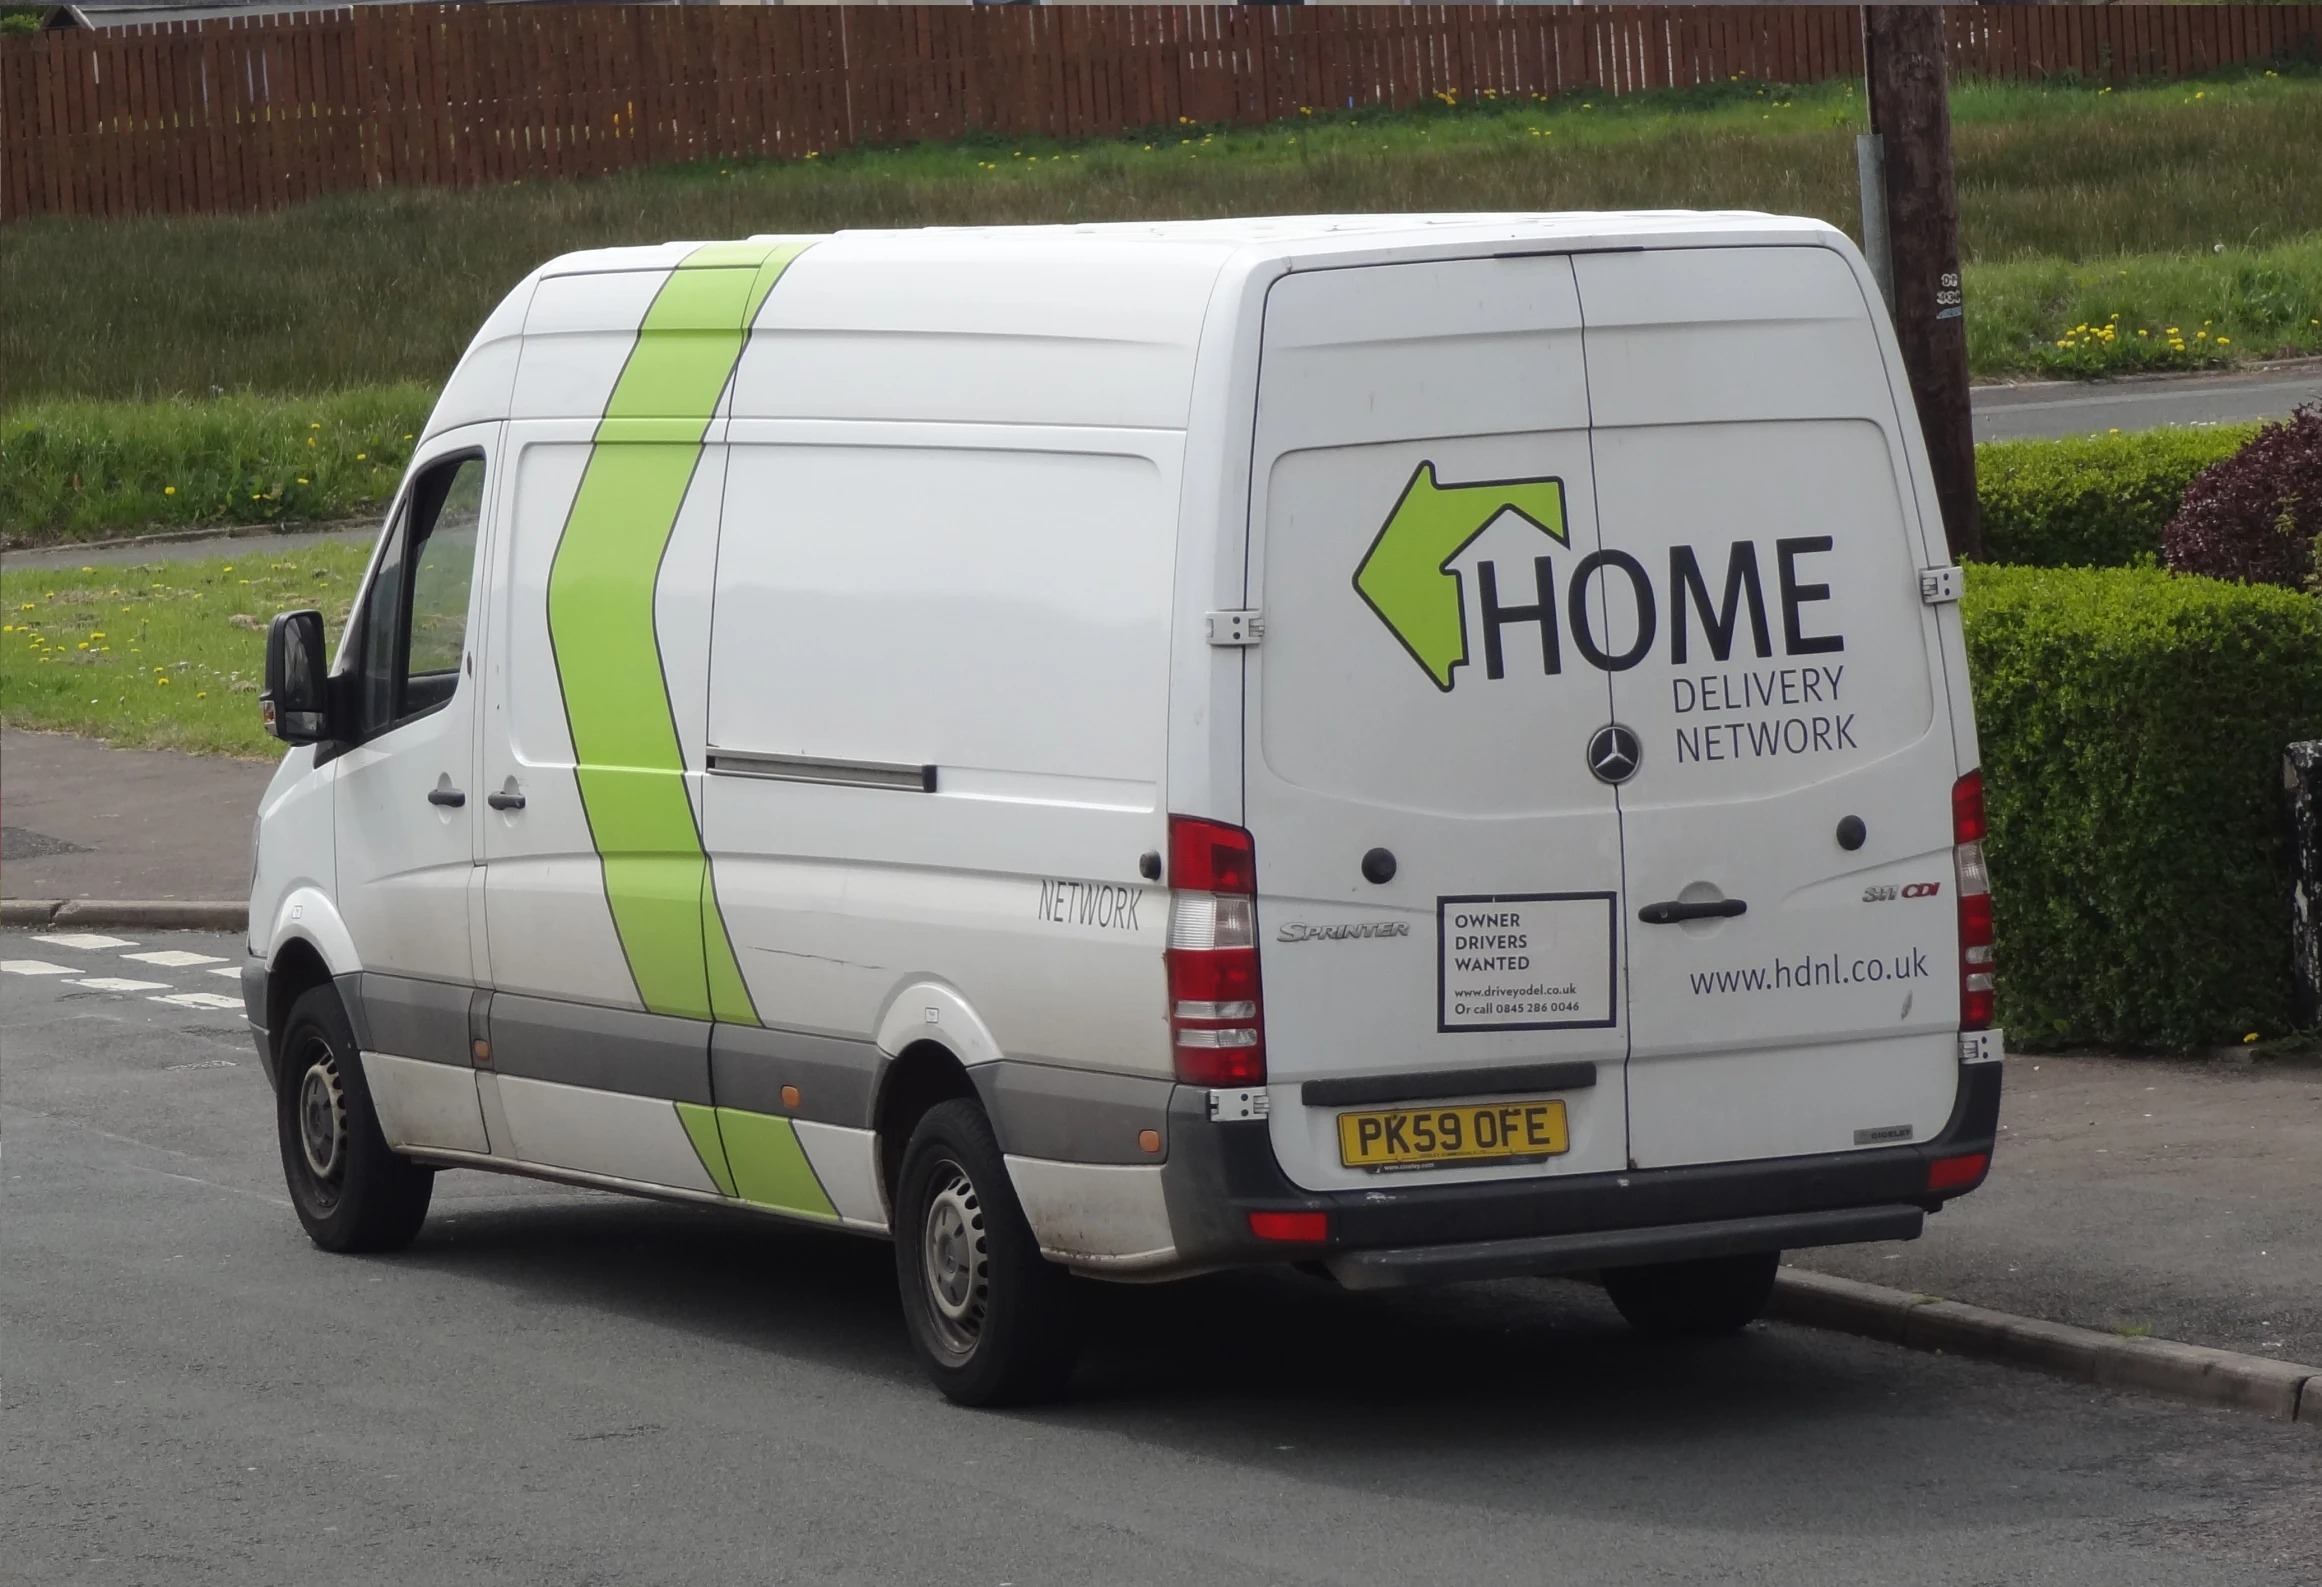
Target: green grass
{"x": 162, "y": 655}
{"x": 2144, "y": 312}
{"x": 379, "y": 287}
{"x": 81, "y": 470}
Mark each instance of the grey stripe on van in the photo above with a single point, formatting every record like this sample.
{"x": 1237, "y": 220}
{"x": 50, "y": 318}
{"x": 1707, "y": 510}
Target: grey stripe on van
{"x": 1073, "y": 1115}
{"x": 836, "y": 1077}
{"x": 412, "y": 1019}
{"x": 605, "y": 1049}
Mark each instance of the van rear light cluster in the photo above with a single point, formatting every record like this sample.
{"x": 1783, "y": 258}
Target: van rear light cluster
{"x": 1217, "y": 1022}
{"x": 1976, "y": 967}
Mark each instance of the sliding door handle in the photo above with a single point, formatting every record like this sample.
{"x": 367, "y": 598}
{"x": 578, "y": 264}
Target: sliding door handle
{"x": 1673, "y": 913}
{"x": 505, "y": 801}
{"x": 450, "y": 798}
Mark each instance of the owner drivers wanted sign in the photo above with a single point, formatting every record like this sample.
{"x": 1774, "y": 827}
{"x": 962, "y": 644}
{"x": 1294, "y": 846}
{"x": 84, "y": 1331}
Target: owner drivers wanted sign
{"x": 1524, "y": 961}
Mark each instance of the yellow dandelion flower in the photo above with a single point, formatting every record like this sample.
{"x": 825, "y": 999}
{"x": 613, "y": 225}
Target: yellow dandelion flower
{"x": 169, "y": 490}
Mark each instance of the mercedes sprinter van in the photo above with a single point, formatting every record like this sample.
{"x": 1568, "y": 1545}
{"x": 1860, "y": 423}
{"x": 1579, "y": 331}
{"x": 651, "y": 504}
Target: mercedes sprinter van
{"x": 1427, "y": 747}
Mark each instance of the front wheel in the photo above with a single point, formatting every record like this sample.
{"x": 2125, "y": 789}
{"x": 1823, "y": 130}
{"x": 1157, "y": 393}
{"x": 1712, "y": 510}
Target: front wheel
{"x": 351, "y": 1190}
{"x": 1680, "y": 1300}
{"x": 993, "y": 1320}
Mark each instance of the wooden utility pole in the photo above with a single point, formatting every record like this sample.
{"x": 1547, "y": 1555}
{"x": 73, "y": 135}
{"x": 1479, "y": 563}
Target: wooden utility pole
{"x": 1910, "y": 111}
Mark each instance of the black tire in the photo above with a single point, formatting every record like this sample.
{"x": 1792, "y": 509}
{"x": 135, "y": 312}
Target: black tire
{"x": 350, "y": 1190}
{"x": 994, "y": 1322}
{"x": 1692, "y": 1300}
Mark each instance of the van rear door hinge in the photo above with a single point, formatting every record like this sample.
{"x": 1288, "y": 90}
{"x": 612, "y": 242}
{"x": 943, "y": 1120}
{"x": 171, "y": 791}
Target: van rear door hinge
{"x": 1938, "y": 585}
{"x": 1244, "y": 627}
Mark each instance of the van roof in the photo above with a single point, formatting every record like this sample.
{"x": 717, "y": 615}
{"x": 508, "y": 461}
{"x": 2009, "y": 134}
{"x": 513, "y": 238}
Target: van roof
{"x": 1290, "y": 237}
{"x": 1083, "y": 324}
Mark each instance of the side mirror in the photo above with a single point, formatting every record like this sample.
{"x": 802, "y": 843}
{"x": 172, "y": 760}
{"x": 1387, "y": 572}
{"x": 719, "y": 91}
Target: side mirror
{"x": 296, "y": 701}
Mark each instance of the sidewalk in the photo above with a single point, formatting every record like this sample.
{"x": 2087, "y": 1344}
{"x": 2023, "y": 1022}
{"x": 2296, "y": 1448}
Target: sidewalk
{"x": 85, "y": 821}
{"x": 2179, "y": 1196}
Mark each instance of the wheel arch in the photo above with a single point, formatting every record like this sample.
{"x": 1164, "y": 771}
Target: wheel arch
{"x": 921, "y": 1076}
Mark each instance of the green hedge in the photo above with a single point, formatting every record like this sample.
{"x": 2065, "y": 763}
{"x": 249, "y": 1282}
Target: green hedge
{"x": 2098, "y": 501}
{"x": 2132, "y": 726}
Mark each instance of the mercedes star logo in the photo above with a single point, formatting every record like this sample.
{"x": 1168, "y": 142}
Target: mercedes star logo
{"x": 1613, "y": 753}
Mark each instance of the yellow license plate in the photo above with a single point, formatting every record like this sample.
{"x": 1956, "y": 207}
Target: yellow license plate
{"x": 1466, "y": 1132}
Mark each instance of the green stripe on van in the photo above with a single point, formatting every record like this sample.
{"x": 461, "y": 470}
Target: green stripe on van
{"x": 701, "y": 1128}
{"x": 769, "y": 1166}
{"x": 608, "y": 657}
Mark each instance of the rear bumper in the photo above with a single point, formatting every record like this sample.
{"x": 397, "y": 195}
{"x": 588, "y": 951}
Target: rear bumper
{"x": 1400, "y": 1267}
{"x": 1400, "y": 1234}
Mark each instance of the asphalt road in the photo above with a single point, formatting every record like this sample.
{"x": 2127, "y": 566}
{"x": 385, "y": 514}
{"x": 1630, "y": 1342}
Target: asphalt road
{"x": 2066, "y": 407}
{"x": 557, "y": 1386}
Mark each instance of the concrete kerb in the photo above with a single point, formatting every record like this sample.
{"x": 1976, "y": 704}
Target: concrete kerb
{"x": 2283, "y": 1390}
{"x": 146, "y": 914}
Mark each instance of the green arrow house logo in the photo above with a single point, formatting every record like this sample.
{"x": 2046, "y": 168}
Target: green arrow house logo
{"x": 1406, "y": 575}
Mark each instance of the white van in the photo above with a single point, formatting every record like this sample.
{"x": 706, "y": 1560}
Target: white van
{"x": 1426, "y": 747}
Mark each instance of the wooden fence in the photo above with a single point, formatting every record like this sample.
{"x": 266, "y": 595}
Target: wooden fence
{"x": 239, "y": 113}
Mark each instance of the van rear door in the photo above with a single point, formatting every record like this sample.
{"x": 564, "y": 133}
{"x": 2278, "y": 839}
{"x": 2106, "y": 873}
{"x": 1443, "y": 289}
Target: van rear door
{"x": 1766, "y": 640}
{"x": 1421, "y": 498}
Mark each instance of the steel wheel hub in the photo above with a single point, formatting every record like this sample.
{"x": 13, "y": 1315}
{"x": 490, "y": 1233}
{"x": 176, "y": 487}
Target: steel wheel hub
{"x": 956, "y": 1260}
{"x": 322, "y": 1119}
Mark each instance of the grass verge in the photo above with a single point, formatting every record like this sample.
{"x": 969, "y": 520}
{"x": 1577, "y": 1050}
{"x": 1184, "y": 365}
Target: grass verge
{"x": 374, "y": 287}
{"x": 82, "y": 470}
{"x": 164, "y": 655}
{"x": 2144, "y": 312}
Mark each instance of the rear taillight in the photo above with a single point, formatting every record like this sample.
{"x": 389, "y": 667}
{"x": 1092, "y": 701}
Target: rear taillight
{"x": 1958, "y": 1173}
{"x": 1303, "y": 1228}
{"x": 1217, "y": 1024}
{"x": 1975, "y": 938}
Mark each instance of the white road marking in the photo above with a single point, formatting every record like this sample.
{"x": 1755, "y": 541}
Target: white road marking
{"x": 175, "y": 958}
{"x": 199, "y": 1000}
{"x": 115, "y": 983}
{"x": 35, "y": 967}
{"x": 86, "y": 940}
{"x": 229, "y": 972}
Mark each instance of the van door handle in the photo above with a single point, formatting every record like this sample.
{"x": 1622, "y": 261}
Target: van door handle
{"x": 505, "y": 801}
{"x": 449, "y": 798}
{"x": 1672, "y": 912}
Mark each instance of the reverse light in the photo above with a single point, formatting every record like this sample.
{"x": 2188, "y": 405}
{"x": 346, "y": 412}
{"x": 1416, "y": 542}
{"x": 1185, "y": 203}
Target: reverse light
{"x": 1303, "y": 1228}
{"x": 1216, "y": 1019}
{"x": 1977, "y": 997}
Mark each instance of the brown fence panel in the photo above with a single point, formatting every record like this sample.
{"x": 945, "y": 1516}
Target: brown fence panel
{"x": 246, "y": 113}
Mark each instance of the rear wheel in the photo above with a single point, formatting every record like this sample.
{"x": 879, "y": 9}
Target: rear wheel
{"x": 1679, "y": 1300}
{"x": 351, "y": 1191}
{"x": 993, "y": 1320}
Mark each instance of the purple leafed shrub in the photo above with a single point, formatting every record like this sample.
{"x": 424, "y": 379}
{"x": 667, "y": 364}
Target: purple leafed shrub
{"x": 2256, "y": 517}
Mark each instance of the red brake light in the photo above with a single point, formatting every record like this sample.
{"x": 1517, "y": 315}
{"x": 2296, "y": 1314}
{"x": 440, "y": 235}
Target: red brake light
{"x": 1957, "y": 1173}
{"x": 1967, "y": 825}
{"x": 1305, "y": 1228}
{"x": 1217, "y": 1024}
{"x": 1977, "y": 970}
{"x": 1211, "y": 857}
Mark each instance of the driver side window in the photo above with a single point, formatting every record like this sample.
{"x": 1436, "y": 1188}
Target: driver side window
{"x": 415, "y": 616}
